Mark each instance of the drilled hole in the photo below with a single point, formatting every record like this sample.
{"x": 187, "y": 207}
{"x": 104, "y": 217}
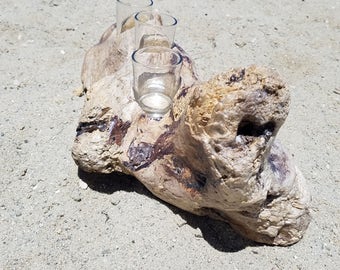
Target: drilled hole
{"x": 217, "y": 149}
{"x": 249, "y": 128}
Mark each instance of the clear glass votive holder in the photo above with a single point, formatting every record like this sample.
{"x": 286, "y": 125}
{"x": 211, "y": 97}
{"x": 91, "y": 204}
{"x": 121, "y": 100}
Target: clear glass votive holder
{"x": 125, "y": 11}
{"x": 156, "y": 78}
{"x": 153, "y": 28}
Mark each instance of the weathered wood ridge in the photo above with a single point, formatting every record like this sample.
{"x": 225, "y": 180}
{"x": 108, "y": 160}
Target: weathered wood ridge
{"x": 213, "y": 154}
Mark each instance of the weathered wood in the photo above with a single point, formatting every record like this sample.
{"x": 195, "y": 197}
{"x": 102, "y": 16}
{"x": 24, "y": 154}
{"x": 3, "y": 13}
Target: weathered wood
{"x": 213, "y": 154}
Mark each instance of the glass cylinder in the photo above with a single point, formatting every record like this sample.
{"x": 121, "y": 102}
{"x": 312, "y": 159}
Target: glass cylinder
{"x": 154, "y": 29}
{"x": 156, "y": 78}
{"x": 125, "y": 11}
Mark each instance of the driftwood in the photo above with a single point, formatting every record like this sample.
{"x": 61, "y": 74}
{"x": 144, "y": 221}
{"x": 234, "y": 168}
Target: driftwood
{"x": 213, "y": 154}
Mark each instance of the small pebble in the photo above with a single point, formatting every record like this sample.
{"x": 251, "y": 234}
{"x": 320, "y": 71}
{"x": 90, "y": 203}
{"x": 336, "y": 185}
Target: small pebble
{"x": 82, "y": 184}
{"x": 24, "y": 172}
{"x": 181, "y": 224}
{"x": 198, "y": 233}
{"x": 76, "y": 196}
{"x": 115, "y": 202}
{"x": 180, "y": 221}
{"x": 240, "y": 44}
{"x": 325, "y": 247}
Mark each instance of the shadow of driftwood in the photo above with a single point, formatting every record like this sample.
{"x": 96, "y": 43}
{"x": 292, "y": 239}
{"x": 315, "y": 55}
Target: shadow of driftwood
{"x": 217, "y": 233}
{"x": 110, "y": 183}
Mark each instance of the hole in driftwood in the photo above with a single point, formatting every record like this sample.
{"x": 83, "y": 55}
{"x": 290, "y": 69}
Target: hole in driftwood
{"x": 249, "y": 128}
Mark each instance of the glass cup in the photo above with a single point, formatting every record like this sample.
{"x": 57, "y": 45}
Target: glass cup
{"x": 125, "y": 11}
{"x": 154, "y": 29}
{"x": 156, "y": 78}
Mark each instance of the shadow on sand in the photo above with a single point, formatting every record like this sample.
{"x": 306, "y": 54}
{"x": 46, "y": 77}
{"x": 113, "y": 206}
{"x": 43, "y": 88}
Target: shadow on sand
{"x": 217, "y": 233}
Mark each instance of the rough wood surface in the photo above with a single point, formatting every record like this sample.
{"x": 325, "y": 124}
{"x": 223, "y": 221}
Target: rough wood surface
{"x": 213, "y": 154}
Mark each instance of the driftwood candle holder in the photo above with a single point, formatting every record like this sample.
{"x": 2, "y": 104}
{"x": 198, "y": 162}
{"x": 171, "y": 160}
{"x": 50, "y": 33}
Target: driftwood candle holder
{"x": 213, "y": 154}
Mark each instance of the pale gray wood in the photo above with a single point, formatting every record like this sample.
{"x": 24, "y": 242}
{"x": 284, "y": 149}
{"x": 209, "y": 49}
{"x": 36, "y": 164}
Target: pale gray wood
{"x": 213, "y": 154}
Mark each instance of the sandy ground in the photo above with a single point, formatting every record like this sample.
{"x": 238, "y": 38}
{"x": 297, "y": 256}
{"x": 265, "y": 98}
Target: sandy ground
{"x": 50, "y": 220}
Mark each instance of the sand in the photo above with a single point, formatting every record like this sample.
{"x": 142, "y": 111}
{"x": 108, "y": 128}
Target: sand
{"x": 51, "y": 219}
